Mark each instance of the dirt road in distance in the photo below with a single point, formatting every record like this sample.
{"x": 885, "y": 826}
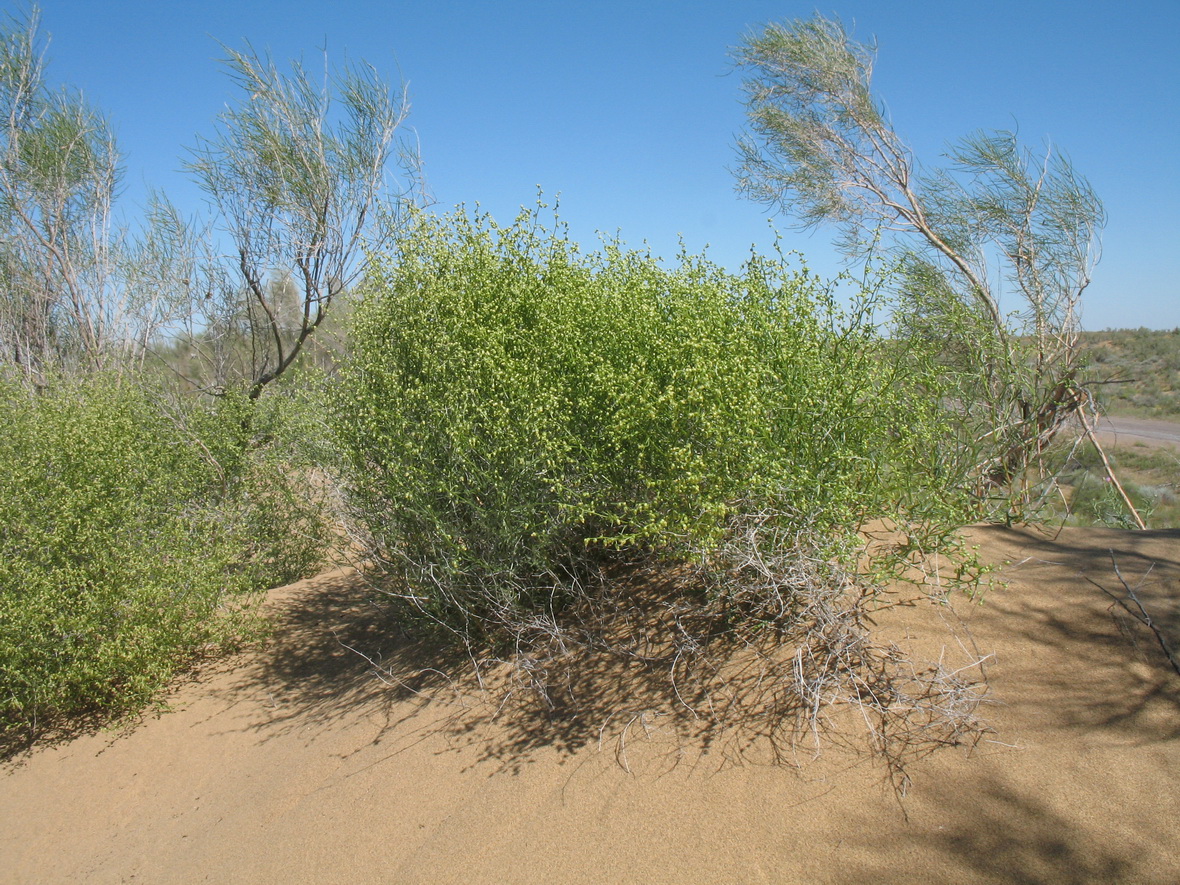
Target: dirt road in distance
{"x": 1129, "y": 431}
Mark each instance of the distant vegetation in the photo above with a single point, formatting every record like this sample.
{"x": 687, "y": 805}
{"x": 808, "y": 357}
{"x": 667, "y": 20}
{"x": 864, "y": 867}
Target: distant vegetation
{"x": 1134, "y": 373}
{"x": 1138, "y": 371}
{"x": 1150, "y": 475}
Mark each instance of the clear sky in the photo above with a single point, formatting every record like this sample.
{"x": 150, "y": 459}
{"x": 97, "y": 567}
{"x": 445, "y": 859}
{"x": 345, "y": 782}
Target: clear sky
{"x": 628, "y": 110}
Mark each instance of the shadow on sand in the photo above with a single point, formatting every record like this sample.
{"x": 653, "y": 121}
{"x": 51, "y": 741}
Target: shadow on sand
{"x": 1101, "y": 667}
{"x": 339, "y": 653}
{"x": 992, "y": 832}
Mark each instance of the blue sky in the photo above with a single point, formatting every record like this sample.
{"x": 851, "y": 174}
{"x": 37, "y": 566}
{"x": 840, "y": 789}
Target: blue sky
{"x": 628, "y": 110}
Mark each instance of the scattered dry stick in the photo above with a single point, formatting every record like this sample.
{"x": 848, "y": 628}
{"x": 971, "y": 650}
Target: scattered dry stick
{"x": 1139, "y": 613}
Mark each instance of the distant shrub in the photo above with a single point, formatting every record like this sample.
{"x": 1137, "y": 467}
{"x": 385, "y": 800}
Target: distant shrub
{"x": 134, "y": 532}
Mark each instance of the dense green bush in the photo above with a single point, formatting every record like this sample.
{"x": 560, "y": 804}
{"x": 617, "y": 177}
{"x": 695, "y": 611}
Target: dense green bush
{"x": 512, "y": 408}
{"x": 134, "y": 530}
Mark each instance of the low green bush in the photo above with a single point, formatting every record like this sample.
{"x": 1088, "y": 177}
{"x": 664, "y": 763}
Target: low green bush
{"x": 512, "y": 409}
{"x": 135, "y": 529}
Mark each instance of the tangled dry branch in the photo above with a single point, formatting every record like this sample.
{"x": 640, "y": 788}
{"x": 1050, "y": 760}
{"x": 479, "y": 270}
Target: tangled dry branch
{"x": 762, "y": 645}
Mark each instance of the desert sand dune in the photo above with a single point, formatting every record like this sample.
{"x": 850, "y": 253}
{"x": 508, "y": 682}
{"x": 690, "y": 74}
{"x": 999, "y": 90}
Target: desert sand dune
{"x": 294, "y": 763}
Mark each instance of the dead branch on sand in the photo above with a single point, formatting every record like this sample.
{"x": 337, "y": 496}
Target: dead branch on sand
{"x": 1139, "y": 612}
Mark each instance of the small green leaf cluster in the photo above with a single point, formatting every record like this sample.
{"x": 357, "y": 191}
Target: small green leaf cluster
{"x": 135, "y": 529}
{"x": 512, "y": 409}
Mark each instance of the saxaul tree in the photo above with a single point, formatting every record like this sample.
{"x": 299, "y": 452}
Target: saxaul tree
{"x": 77, "y": 290}
{"x": 298, "y": 173}
{"x": 821, "y": 148}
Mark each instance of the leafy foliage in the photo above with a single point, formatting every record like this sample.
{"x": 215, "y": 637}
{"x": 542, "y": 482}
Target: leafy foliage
{"x": 135, "y": 530}
{"x": 513, "y": 410}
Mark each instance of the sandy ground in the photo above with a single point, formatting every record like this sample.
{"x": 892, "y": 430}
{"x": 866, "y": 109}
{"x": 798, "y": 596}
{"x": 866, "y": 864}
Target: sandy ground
{"x": 295, "y": 764}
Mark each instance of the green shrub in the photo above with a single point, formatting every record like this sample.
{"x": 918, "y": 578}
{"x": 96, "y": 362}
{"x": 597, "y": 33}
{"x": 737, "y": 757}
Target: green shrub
{"x": 134, "y": 532}
{"x": 513, "y": 409}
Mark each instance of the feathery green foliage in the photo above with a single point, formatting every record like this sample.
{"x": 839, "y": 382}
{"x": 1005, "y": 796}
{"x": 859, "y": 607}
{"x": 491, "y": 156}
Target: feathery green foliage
{"x": 297, "y": 170}
{"x": 997, "y": 216}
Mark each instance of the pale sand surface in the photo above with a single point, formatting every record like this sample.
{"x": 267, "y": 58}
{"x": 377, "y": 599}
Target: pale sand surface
{"x": 294, "y": 764}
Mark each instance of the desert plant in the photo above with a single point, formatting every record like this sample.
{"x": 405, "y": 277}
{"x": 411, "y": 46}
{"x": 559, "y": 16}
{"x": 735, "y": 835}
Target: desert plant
{"x": 1150, "y": 477}
{"x": 135, "y": 531}
{"x": 76, "y": 289}
{"x": 297, "y": 172}
{"x": 515, "y": 416}
{"x": 821, "y": 146}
